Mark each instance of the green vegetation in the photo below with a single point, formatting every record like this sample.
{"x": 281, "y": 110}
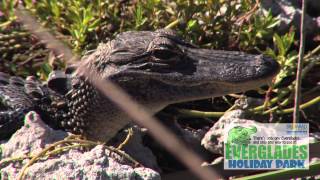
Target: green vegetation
{"x": 228, "y": 25}
{"x": 205, "y": 23}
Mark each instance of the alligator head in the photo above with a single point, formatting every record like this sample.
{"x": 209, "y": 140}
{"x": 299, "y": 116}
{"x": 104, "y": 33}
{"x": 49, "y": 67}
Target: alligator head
{"x": 159, "y": 68}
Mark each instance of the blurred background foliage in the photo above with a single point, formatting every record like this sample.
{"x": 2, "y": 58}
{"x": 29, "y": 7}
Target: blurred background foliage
{"x": 218, "y": 24}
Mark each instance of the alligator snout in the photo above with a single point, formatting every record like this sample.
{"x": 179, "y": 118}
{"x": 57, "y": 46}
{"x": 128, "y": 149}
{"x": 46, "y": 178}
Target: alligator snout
{"x": 271, "y": 66}
{"x": 231, "y": 67}
{"x": 255, "y": 68}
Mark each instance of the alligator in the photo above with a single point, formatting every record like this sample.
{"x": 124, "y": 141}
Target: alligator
{"x": 156, "y": 68}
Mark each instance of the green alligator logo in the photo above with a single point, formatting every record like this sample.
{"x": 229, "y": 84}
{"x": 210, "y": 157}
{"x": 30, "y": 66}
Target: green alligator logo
{"x": 241, "y": 135}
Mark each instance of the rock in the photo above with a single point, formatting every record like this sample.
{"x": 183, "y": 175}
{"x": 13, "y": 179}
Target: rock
{"x": 289, "y": 13}
{"x": 98, "y": 163}
{"x": 32, "y": 137}
{"x": 192, "y": 138}
{"x": 146, "y": 173}
{"x": 189, "y": 136}
{"x": 137, "y": 150}
{"x": 214, "y": 138}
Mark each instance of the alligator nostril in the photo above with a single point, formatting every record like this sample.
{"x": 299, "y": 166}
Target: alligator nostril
{"x": 271, "y": 64}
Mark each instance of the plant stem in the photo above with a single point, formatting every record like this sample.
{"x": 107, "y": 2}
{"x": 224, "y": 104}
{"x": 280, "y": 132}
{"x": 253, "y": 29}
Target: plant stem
{"x": 302, "y": 106}
{"x": 195, "y": 113}
{"x": 299, "y": 66}
{"x": 172, "y": 24}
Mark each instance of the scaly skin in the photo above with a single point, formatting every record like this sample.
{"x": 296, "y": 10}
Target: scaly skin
{"x": 155, "y": 68}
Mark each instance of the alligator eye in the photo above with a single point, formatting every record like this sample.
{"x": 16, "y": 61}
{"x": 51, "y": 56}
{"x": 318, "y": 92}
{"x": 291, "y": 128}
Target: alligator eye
{"x": 164, "y": 54}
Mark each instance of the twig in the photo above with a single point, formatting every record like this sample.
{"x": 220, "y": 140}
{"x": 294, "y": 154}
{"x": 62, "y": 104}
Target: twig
{"x": 46, "y": 152}
{"x": 299, "y": 66}
{"x": 302, "y": 106}
{"x": 5, "y": 161}
{"x": 313, "y": 52}
{"x": 172, "y": 24}
{"x": 42, "y": 153}
{"x": 123, "y": 154}
{"x": 196, "y": 113}
{"x": 281, "y": 95}
{"x": 129, "y": 135}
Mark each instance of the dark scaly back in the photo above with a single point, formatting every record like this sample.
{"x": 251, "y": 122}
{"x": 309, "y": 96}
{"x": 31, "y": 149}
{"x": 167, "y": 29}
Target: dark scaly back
{"x": 11, "y": 113}
{"x": 13, "y": 93}
{"x": 19, "y": 96}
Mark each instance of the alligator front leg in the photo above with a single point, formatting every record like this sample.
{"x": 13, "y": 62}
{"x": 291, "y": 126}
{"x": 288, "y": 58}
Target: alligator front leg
{"x": 10, "y": 122}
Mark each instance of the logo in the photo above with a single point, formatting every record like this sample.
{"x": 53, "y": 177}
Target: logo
{"x": 266, "y": 146}
{"x": 241, "y": 135}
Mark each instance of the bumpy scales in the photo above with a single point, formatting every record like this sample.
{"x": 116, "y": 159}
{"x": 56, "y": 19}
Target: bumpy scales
{"x": 155, "y": 68}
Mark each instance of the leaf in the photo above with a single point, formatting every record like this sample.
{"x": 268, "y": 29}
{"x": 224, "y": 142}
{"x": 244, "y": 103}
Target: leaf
{"x": 139, "y": 19}
{"x": 192, "y": 24}
{"x": 54, "y": 8}
{"x": 46, "y": 69}
{"x": 271, "y": 53}
{"x": 273, "y": 24}
{"x": 279, "y": 43}
{"x": 94, "y": 25}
